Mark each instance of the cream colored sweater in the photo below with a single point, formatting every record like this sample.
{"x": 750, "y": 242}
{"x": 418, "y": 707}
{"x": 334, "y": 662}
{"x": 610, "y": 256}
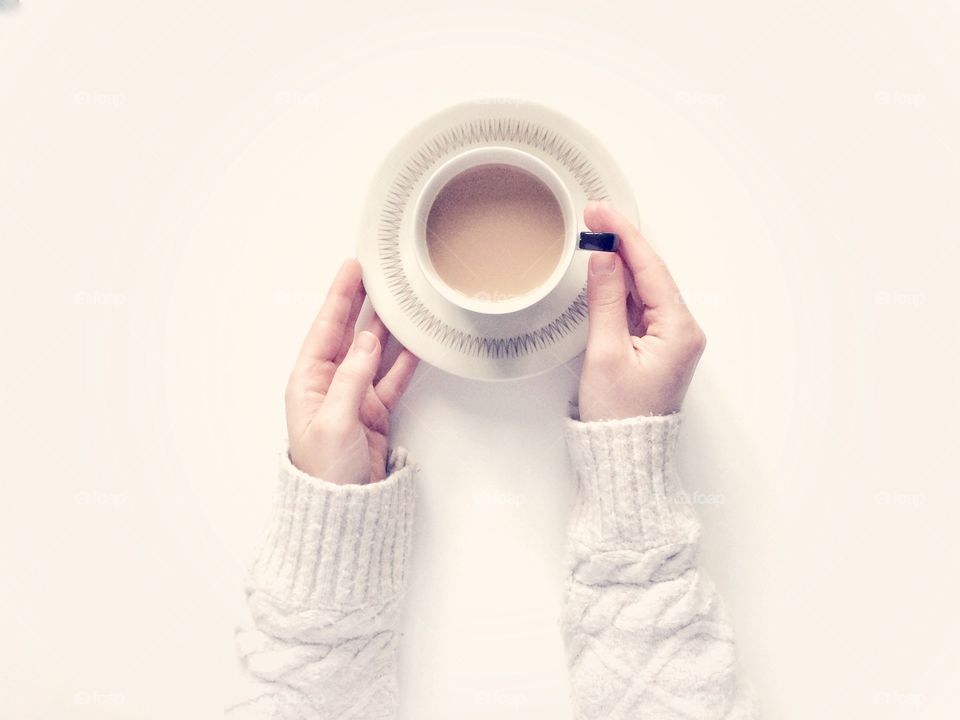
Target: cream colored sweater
{"x": 644, "y": 629}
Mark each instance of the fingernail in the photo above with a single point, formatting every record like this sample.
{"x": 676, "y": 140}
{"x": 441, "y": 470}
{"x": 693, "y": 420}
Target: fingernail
{"x": 366, "y": 342}
{"x": 603, "y": 263}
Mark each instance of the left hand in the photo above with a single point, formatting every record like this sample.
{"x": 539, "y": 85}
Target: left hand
{"x": 338, "y": 402}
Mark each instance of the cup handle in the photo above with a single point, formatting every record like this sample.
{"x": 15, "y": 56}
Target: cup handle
{"x": 602, "y": 241}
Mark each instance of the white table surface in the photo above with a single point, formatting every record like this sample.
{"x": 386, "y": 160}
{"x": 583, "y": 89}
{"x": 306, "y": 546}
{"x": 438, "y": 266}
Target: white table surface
{"x": 177, "y": 182}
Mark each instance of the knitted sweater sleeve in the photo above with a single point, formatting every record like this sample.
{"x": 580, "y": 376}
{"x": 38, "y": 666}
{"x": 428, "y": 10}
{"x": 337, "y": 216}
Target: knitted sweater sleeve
{"x": 645, "y": 631}
{"x": 323, "y": 597}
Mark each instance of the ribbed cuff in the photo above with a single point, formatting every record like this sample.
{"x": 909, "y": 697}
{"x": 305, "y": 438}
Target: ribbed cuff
{"x": 628, "y": 493}
{"x": 335, "y": 546}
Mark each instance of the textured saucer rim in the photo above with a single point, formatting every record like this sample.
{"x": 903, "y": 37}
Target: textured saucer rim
{"x": 529, "y": 352}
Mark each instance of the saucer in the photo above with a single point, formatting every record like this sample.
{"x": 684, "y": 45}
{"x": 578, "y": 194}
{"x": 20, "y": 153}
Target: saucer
{"x": 463, "y": 342}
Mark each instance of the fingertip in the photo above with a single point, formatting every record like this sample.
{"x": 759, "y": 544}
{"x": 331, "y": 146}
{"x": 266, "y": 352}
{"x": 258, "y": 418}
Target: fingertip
{"x": 377, "y": 327}
{"x": 352, "y": 269}
{"x": 395, "y": 381}
{"x": 592, "y": 213}
{"x": 606, "y": 298}
{"x": 597, "y": 215}
{"x": 412, "y": 358}
{"x": 406, "y": 362}
{"x": 603, "y": 263}
{"x": 366, "y": 342}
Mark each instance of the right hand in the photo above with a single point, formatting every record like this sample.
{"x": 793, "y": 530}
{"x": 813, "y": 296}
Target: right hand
{"x": 338, "y": 404}
{"x": 641, "y": 351}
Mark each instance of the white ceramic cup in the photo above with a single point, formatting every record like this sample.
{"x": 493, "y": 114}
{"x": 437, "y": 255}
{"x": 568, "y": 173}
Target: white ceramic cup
{"x": 494, "y": 154}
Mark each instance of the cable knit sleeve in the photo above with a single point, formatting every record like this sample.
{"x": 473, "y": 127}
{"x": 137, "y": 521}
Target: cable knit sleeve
{"x": 645, "y": 631}
{"x": 324, "y": 596}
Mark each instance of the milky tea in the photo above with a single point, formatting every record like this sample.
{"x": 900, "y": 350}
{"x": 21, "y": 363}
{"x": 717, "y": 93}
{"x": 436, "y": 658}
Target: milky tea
{"x": 495, "y": 231}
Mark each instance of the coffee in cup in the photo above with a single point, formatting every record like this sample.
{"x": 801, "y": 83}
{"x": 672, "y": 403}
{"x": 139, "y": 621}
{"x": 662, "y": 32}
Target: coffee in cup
{"x": 495, "y": 230}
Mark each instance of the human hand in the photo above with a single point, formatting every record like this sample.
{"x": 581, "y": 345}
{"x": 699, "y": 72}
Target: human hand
{"x": 643, "y": 344}
{"x": 338, "y": 404}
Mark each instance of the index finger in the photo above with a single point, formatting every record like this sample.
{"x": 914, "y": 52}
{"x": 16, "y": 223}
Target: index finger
{"x": 654, "y": 282}
{"x": 327, "y": 332}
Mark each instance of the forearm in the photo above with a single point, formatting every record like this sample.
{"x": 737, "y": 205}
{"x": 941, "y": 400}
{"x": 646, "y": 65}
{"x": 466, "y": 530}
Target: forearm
{"x": 324, "y": 598}
{"x": 645, "y": 630}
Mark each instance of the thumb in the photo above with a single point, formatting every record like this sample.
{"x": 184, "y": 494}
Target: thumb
{"x": 607, "y": 303}
{"x": 355, "y": 375}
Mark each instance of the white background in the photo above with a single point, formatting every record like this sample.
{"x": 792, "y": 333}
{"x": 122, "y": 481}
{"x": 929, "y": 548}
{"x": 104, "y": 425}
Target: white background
{"x": 180, "y": 181}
